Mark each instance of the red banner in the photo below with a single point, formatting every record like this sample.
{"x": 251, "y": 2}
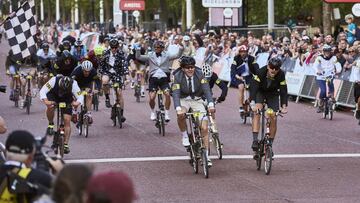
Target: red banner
{"x": 128, "y": 5}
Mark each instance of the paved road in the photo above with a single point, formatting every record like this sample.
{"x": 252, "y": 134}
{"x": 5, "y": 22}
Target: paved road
{"x": 316, "y": 160}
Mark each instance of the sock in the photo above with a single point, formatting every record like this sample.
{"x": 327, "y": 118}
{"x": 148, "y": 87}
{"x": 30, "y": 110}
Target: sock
{"x": 166, "y": 112}
{"x": 142, "y": 88}
{"x": 255, "y": 136}
{"x": 153, "y": 111}
{"x": 184, "y": 134}
{"x": 107, "y": 96}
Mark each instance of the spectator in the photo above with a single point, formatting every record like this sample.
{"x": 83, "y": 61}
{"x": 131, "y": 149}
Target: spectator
{"x": 71, "y": 182}
{"x": 351, "y": 28}
{"x": 110, "y": 187}
{"x": 20, "y": 151}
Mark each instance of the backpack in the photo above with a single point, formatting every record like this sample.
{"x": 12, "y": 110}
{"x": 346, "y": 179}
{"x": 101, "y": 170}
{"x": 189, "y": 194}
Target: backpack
{"x": 14, "y": 187}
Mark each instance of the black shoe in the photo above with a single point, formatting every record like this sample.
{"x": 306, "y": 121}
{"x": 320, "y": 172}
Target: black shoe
{"x": 123, "y": 119}
{"x": 319, "y": 110}
{"x": 255, "y": 145}
{"x": 66, "y": 149}
{"x": 11, "y": 97}
{"x": 107, "y": 103}
{"x": 256, "y": 156}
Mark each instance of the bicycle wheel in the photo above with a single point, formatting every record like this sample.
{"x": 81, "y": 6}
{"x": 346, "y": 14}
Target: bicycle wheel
{"x": 331, "y": 111}
{"x": 137, "y": 93}
{"x": 259, "y": 157}
{"x": 96, "y": 102}
{"x": 268, "y": 159}
{"x": 80, "y": 124}
{"x": 61, "y": 145}
{"x": 195, "y": 162}
{"x": 162, "y": 124}
{"x": 86, "y": 127}
{"x": 204, "y": 159}
{"x": 28, "y": 103}
{"x": 16, "y": 98}
{"x": 119, "y": 116}
{"x": 243, "y": 118}
{"x": 114, "y": 115}
{"x": 217, "y": 145}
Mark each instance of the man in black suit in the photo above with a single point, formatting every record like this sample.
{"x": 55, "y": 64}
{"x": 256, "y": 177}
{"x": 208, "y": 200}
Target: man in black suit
{"x": 189, "y": 88}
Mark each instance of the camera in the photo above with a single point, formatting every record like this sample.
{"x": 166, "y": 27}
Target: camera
{"x": 3, "y": 88}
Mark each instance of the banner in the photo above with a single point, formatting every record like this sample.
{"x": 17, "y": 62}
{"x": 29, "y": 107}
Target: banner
{"x": 294, "y": 82}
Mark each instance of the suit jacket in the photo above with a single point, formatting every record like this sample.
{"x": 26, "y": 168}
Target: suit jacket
{"x": 154, "y": 64}
{"x": 180, "y": 87}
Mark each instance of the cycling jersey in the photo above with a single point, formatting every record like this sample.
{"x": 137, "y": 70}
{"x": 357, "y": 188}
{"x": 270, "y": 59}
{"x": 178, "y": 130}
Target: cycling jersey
{"x": 114, "y": 64}
{"x": 326, "y": 66}
{"x": 66, "y": 70}
{"x": 85, "y": 82}
{"x": 265, "y": 85}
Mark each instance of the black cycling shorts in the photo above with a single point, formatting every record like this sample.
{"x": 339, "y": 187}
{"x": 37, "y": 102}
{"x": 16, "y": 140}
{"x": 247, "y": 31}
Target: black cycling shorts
{"x": 356, "y": 92}
{"x": 272, "y": 100}
{"x": 159, "y": 83}
{"x": 68, "y": 101}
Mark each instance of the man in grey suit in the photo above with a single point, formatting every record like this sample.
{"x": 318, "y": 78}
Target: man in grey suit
{"x": 159, "y": 62}
{"x": 189, "y": 88}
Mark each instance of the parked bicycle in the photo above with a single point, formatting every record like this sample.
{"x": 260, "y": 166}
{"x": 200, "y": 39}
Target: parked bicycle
{"x": 264, "y": 146}
{"x": 160, "y": 113}
{"x": 197, "y": 150}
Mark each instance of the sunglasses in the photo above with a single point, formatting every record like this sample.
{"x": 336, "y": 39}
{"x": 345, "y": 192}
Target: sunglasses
{"x": 351, "y": 51}
{"x": 274, "y": 68}
{"x": 189, "y": 67}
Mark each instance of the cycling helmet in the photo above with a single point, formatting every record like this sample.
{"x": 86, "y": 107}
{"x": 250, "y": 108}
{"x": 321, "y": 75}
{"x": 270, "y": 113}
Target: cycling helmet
{"x": 86, "y": 65}
{"x": 243, "y": 48}
{"x": 275, "y": 62}
{"x": 66, "y": 43}
{"x": 327, "y": 48}
{"x": 121, "y": 39}
{"x": 186, "y": 38}
{"x": 66, "y": 54}
{"x": 78, "y": 43}
{"x": 45, "y": 45}
{"x": 186, "y": 60}
{"x": 65, "y": 83}
{"x": 98, "y": 50}
{"x": 207, "y": 70}
{"x": 159, "y": 44}
{"x": 114, "y": 43}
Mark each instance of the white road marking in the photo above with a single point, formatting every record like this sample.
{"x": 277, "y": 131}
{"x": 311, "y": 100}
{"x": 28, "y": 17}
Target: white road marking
{"x": 176, "y": 158}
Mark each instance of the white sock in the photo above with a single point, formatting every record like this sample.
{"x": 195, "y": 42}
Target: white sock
{"x": 153, "y": 111}
{"x": 166, "y": 112}
{"x": 184, "y": 134}
{"x": 142, "y": 88}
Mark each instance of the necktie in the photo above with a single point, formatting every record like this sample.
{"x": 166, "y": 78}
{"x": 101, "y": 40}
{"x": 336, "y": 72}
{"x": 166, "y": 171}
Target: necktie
{"x": 190, "y": 88}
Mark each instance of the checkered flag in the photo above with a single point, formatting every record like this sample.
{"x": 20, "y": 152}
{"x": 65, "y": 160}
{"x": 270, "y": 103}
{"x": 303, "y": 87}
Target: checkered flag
{"x": 20, "y": 30}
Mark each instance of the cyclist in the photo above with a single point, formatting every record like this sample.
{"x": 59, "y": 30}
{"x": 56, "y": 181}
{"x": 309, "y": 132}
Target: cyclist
{"x": 113, "y": 65}
{"x": 12, "y": 67}
{"x": 65, "y": 45}
{"x": 189, "y": 87}
{"x": 326, "y": 66}
{"x": 95, "y": 56}
{"x": 45, "y": 62}
{"x": 85, "y": 75}
{"x": 267, "y": 84}
{"x": 61, "y": 89}
{"x": 242, "y": 69}
{"x": 78, "y": 50}
{"x": 159, "y": 62}
{"x": 137, "y": 66}
{"x": 65, "y": 64}
{"x": 213, "y": 79}
{"x": 27, "y": 66}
